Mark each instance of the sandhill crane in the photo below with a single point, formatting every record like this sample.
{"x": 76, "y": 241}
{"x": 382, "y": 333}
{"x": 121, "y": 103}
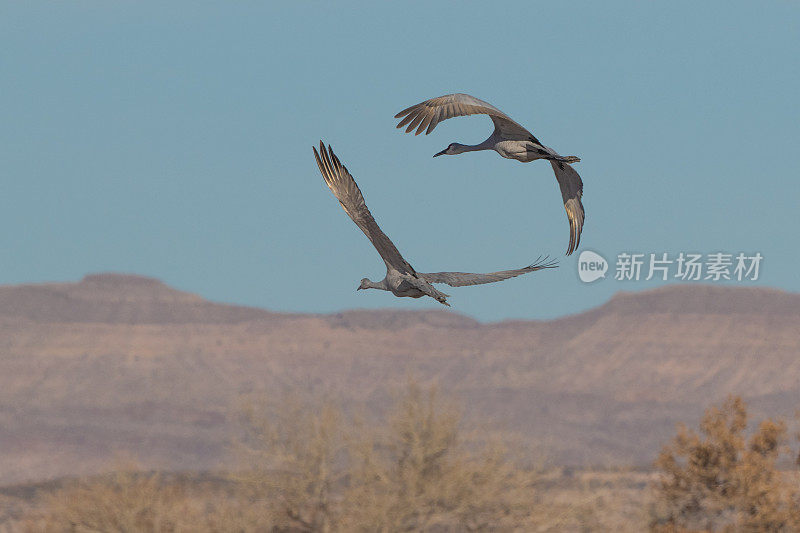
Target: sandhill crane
{"x": 401, "y": 278}
{"x": 508, "y": 139}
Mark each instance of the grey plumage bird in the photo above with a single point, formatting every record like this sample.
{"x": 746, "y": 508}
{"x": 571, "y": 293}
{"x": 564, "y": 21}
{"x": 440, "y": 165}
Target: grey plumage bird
{"x": 508, "y": 139}
{"x": 401, "y": 279}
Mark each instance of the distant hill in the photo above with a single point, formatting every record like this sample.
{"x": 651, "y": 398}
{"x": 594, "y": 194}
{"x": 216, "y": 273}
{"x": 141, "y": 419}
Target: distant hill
{"x": 117, "y": 299}
{"x": 121, "y": 362}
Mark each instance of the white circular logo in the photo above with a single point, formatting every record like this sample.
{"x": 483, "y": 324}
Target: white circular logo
{"x": 591, "y": 266}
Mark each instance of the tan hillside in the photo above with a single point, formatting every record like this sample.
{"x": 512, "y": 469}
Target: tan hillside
{"x": 125, "y": 363}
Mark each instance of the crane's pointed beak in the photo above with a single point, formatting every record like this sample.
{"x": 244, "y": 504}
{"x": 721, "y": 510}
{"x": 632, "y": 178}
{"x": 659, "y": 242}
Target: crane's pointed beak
{"x": 440, "y": 153}
{"x": 358, "y": 288}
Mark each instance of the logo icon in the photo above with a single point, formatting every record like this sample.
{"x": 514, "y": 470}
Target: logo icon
{"x": 591, "y": 266}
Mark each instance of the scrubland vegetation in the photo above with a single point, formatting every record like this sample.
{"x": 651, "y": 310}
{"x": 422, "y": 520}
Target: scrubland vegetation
{"x": 306, "y": 466}
{"x": 722, "y": 480}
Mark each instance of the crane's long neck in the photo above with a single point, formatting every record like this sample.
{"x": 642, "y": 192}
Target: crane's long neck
{"x": 382, "y": 285}
{"x": 488, "y": 144}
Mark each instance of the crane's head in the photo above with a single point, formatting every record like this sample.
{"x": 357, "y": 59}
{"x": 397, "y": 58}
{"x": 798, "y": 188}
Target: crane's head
{"x": 452, "y": 149}
{"x": 365, "y": 284}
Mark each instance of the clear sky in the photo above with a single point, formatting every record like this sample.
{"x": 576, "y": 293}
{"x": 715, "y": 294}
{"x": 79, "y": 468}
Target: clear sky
{"x": 173, "y": 139}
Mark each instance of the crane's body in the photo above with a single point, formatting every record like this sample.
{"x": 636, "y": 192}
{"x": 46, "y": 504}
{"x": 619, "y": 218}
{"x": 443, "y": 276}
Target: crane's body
{"x": 520, "y": 150}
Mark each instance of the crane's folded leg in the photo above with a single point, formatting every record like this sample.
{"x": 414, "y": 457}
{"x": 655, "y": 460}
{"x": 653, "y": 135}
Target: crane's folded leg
{"x": 430, "y": 290}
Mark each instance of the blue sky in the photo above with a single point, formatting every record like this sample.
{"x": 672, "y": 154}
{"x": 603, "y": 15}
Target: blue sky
{"x": 174, "y": 140}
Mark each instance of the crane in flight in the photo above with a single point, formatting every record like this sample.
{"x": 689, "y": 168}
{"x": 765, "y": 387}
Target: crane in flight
{"x": 508, "y": 139}
{"x": 401, "y": 279}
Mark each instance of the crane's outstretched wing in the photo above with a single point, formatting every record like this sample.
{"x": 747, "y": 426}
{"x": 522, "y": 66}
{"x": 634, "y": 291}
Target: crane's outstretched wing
{"x": 344, "y": 187}
{"x": 571, "y": 192}
{"x": 459, "y": 279}
{"x": 426, "y": 115}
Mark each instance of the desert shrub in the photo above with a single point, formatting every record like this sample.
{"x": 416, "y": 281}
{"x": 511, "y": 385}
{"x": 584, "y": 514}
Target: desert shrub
{"x": 124, "y": 501}
{"x": 316, "y": 470}
{"x": 294, "y": 460}
{"x": 418, "y": 474}
{"x": 719, "y": 480}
